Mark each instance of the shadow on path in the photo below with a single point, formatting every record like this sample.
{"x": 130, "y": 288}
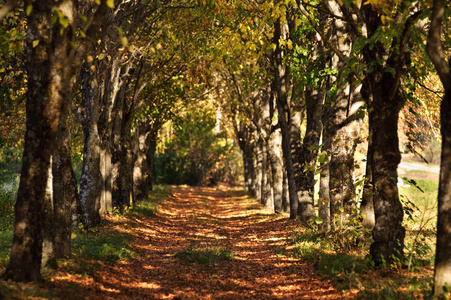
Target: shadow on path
{"x": 220, "y": 217}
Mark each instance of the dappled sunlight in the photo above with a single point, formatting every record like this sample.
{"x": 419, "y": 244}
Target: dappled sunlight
{"x": 196, "y": 219}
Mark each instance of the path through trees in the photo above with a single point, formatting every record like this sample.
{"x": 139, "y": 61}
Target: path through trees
{"x": 208, "y": 218}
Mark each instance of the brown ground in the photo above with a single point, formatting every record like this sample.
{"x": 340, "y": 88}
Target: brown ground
{"x": 219, "y": 217}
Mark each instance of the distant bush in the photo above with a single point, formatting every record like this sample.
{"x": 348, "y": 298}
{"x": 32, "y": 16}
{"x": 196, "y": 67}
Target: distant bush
{"x": 197, "y": 153}
{"x": 10, "y": 163}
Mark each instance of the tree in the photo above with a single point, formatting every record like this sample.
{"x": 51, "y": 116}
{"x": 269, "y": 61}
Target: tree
{"x": 51, "y": 61}
{"x": 442, "y": 272}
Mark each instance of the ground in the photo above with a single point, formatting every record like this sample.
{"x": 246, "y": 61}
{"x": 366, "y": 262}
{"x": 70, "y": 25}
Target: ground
{"x": 208, "y": 218}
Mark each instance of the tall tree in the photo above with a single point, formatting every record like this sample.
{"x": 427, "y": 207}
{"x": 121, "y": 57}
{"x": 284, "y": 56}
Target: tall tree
{"x": 442, "y": 272}
{"x": 51, "y": 62}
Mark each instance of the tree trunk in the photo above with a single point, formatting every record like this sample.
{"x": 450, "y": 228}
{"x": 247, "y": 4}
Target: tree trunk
{"x": 152, "y": 141}
{"x": 388, "y": 232}
{"x": 65, "y": 189}
{"x": 126, "y": 166}
{"x": 275, "y": 158}
{"x": 267, "y": 193}
{"x": 141, "y": 153}
{"x": 347, "y": 119}
{"x": 382, "y": 90}
{"x": 48, "y": 88}
{"x": 258, "y": 162}
{"x": 309, "y": 153}
{"x": 324, "y": 190}
{"x": 280, "y": 88}
{"x": 285, "y": 196}
{"x": 106, "y": 198}
{"x": 48, "y": 253}
{"x": 442, "y": 272}
{"x": 366, "y": 206}
{"x": 90, "y": 182}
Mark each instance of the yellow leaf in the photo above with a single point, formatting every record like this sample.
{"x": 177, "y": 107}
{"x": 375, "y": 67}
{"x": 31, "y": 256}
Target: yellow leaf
{"x": 297, "y": 21}
{"x": 29, "y": 9}
{"x": 110, "y": 3}
{"x": 35, "y": 43}
{"x": 124, "y": 41}
{"x": 101, "y": 56}
{"x": 89, "y": 59}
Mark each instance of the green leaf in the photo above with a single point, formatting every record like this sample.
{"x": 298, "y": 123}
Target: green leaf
{"x": 83, "y": 17}
{"x": 64, "y": 22}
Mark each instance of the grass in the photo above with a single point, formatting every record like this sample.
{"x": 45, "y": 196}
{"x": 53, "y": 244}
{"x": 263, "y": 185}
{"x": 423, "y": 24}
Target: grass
{"x": 149, "y": 207}
{"x": 204, "y": 255}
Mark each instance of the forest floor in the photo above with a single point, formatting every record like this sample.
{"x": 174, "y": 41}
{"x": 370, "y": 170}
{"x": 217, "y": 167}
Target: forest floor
{"x": 204, "y": 243}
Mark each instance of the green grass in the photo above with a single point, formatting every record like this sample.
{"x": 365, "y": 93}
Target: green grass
{"x": 424, "y": 194}
{"x": 149, "y": 207}
{"x": 204, "y": 255}
{"x": 110, "y": 248}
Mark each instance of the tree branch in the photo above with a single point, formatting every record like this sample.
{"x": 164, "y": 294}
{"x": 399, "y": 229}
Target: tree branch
{"x": 434, "y": 46}
{"x": 7, "y": 7}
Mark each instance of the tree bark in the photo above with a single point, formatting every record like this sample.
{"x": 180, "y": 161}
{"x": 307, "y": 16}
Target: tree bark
{"x": 141, "y": 154}
{"x": 276, "y": 161}
{"x": 367, "y": 206}
{"x": 442, "y": 272}
{"x": 346, "y": 129}
{"x": 279, "y": 87}
{"x": 48, "y": 87}
{"x": 90, "y": 182}
{"x": 388, "y": 232}
{"x": 382, "y": 90}
{"x": 309, "y": 152}
{"x": 62, "y": 197}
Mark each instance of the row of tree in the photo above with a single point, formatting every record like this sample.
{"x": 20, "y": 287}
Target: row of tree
{"x": 122, "y": 68}
{"x": 324, "y": 65}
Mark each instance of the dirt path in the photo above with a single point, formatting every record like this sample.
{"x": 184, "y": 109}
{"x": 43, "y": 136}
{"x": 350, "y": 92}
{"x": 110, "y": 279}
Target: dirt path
{"x": 220, "y": 218}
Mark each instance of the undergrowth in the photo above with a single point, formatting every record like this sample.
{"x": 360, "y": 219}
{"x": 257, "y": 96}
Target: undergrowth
{"x": 342, "y": 255}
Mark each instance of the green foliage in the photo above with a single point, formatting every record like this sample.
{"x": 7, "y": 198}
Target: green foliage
{"x": 8, "y": 194}
{"x": 204, "y": 255}
{"x": 319, "y": 248}
{"x": 197, "y": 154}
{"x": 10, "y": 162}
{"x": 6, "y": 238}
